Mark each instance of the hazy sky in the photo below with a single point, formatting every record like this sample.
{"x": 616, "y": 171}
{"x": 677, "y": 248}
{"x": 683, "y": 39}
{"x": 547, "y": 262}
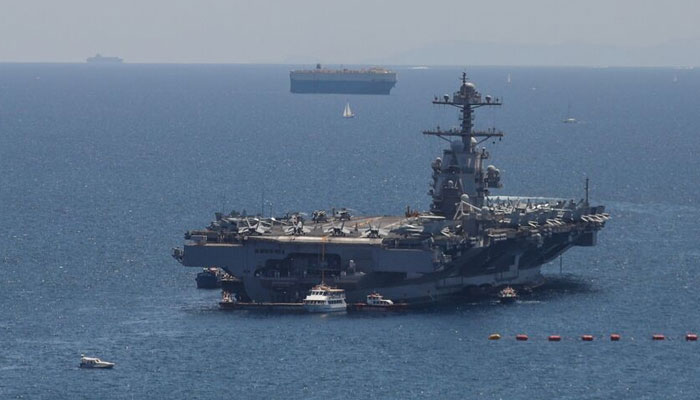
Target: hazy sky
{"x": 303, "y": 31}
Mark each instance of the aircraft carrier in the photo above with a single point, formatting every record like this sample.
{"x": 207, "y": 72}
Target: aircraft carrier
{"x": 346, "y": 81}
{"x": 469, "y": 242}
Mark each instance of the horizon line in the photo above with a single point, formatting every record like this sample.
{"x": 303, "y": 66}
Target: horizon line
{"x": 413, "y": 65}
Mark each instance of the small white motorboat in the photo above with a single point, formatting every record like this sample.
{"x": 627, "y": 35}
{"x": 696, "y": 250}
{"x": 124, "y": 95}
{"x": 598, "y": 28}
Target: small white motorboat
{"x": 376, "y": 301}
{"x": 92, "y": 362}
{"x": 507, "y": 295}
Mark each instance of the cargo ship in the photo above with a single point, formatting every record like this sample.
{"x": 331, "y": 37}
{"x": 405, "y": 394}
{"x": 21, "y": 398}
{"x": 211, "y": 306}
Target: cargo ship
{"x": 345, "y": 81}
{"x": 98, "y": 58}
{"x": 469, "y": 243}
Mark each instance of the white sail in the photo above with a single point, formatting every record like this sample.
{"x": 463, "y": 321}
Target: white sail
{"x": 569, "y": 119}
{"x": 347, "y": 112}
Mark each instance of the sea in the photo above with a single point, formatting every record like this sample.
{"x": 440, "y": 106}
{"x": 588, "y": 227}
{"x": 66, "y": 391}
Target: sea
{"x": 104, "y": 167}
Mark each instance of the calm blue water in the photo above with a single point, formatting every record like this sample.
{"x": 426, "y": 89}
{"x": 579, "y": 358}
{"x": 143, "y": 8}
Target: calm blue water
{"x": 103, "y": 168}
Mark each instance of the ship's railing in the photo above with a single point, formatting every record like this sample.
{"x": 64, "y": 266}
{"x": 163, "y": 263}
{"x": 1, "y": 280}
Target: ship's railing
{"x": 532, "y": 199}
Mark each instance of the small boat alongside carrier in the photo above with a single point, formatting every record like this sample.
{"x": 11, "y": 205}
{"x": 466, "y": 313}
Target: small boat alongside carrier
{"x": 321, "y": 299}
{"x": 507, "y": 295}
{"x": 213, "y": 278}
{"x": 231, "y": 301}
{"x": 377, "y": 302}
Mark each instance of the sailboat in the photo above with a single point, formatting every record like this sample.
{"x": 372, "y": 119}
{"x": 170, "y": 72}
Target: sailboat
{"x": 569, "y": 119}
{"x": 347, "y": 112}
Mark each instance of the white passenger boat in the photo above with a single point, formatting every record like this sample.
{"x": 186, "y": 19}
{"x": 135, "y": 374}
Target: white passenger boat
{"x": 92, "y": 362}
{"x": 323, "y": 298}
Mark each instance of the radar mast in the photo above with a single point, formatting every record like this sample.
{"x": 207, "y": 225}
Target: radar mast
{"x": 461, "y": 172}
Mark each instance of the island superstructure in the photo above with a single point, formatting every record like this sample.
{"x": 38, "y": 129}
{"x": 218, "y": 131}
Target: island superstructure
{"x": 470, "y": 242}
{"x": 346, "y": 81}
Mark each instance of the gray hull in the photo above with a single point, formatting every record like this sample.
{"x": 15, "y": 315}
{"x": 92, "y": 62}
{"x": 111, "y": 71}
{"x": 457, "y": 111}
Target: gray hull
{"x": 284, "y": 268}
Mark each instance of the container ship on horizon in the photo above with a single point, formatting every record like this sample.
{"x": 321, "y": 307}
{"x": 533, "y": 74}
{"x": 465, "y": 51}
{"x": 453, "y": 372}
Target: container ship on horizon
{"x": 345, "y": 81}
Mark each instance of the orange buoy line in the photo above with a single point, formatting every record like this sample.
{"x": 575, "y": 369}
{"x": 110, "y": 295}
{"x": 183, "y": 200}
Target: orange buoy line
{"x": 614, "y": 337}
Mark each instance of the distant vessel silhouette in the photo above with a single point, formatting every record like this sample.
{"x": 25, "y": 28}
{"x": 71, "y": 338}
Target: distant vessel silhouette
{"x": 98, "y": 58}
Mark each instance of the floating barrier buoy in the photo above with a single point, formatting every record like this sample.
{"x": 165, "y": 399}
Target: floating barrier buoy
{"x": 614, "y": 337}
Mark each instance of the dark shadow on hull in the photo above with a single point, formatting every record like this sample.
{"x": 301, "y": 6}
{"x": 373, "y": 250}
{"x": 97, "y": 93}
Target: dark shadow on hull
{"x": 565, "y": 284}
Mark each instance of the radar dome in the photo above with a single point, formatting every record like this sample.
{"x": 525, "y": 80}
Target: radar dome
{"x": 464, "y": 197}
{"x": 467, "y": 88}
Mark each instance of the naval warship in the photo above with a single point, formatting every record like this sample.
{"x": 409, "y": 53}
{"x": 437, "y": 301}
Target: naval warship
{"x": 469, "y": 243}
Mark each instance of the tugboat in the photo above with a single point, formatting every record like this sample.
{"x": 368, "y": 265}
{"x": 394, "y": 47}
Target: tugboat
{"x": 507, "y": 295}
{"x": 323, "y": 298}
{"x": 92, "y": 362}
{"x": 377, "y": 302}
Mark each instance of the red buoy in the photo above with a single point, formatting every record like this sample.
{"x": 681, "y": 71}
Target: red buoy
{"x": 691, "y": 337}
{"x": 587, "y": 338}
{"x": 521, "y": 337}
{"x": 614, "y": 337}
{"x": 658, "y": 337}
{"x": 554, "y": 338}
